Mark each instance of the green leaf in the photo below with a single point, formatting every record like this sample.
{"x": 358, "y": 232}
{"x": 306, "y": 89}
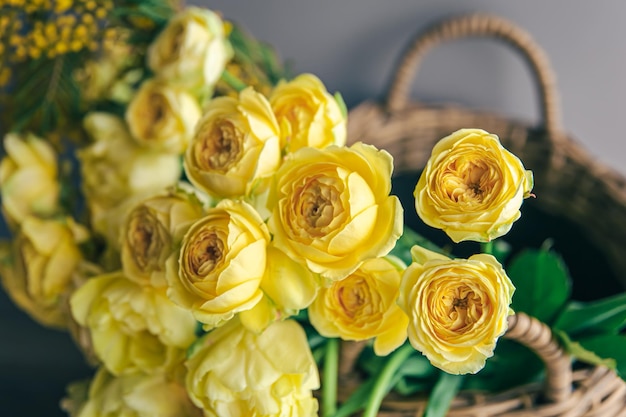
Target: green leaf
{"x": 511, "y": 365}
{"x": 442, "y": 395}
{"x": 357, "y": 399}
{"x": 610, "y": 347}
{"x": 198, "y": 343}
{"x": 501, "y": 250}
{"x": 369, "y": 362}
{"x": 402, "y": 250}
{"x": 585, "y": 354}
{"x": 318, "y": 354}
{"x": 417, "y": 366}
{"x": 542, "y": 283}
{"x": 341, "y": 103}
{"x": 272, "y": 64}
{"x": 601, "y": 316}
{"x": 415, "y": 375}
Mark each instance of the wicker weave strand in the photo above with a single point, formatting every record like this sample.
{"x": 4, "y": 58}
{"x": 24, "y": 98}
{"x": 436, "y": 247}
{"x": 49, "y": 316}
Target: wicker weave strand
{"x": 589, "y": 392}
{"x": 537, "y": 336}
{"x": 485, "y": 26}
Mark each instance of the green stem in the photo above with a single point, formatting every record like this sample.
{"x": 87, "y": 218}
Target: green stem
{"x": 381, "y": 386}
{"x": 233, "y": 81}
{"x": 329, "y": 378}
{"x": 487, "y": 247}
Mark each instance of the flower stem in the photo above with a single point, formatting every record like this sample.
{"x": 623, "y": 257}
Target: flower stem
{"x": 381, "y": 386}
{"x": 329, "y": 378}
{"x": 487, "y": 247}
{"x": 233, "y": 81}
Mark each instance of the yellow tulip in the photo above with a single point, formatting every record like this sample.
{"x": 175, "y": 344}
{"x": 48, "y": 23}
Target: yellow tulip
{"x": 37, "y": 268}
{"x": 239, "y": 373}
{"x": 136, "y": 395}
{"x": 28, "y": 178}
{"x": 132, "y": 327}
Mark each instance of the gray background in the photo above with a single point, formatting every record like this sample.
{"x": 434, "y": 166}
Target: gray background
{"x": 352, "y": 46}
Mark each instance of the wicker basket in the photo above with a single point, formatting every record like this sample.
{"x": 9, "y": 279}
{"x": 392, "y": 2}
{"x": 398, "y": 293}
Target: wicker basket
{"x": 589, "y": 392}
{"x": 568, "y": 182}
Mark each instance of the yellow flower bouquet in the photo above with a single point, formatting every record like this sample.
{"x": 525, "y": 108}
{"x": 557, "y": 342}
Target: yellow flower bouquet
{"x": 195, "y": 218}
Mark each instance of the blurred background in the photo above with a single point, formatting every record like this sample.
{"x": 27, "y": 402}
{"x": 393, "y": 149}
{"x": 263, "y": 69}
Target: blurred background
{"x": 352, "y": 45}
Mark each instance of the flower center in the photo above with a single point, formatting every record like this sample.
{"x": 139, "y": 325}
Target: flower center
{"x": 206, "y": 253}
{"x": 463, "y": 307}
{"x": 144, "y": 240}
{"x": 460, "y": 303}
{"x": 317, "y": 206}
{"x": 353, "y": 297}
{"x": 221, "y": 148}
{"x": 316, "y": 210}
{"x": 172, "y": 50}
{"x": 155, "y": 112}
{"x": 467, "y": 181}
{"x": 141, "y": 241}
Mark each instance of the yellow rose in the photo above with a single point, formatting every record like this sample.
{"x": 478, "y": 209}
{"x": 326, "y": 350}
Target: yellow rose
{"x": 28, "y": 178}
{"x": 117, "y": 173}
{"x": 239, "y": 373}
{"x": 363, "y": 306}
{"x": 457, "y": 309}
{"x": 307, "y": 114}
{"x": 221, "y": 263}
{"x": 472, "y": 187}
{"x": 192, "y": 50}
{"x": 162, "y": 117}
{"x": 133, "y": 395}
{"x": 236, "y": 144}
{"x": 289, "y": 284}
{"x": 153, "y": 230}
{"x": 333, "y": 209}
{"x": 37, "y": 268}
{"x": 132, "y": 327}
{"x": 288, "y": 287}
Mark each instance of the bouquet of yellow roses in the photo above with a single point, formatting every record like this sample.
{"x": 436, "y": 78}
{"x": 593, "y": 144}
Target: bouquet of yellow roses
{"x": 223, "y": 237}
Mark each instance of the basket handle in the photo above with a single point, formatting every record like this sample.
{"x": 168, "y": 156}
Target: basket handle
{"x": 537, "y": 336}
{"x": 523, "y": 329}
{"x": 479, "y": 25}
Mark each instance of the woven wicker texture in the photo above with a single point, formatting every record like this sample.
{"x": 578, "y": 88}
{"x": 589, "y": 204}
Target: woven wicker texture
{"x": 568, "y": 182}
{"x": 596, "y": 391}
